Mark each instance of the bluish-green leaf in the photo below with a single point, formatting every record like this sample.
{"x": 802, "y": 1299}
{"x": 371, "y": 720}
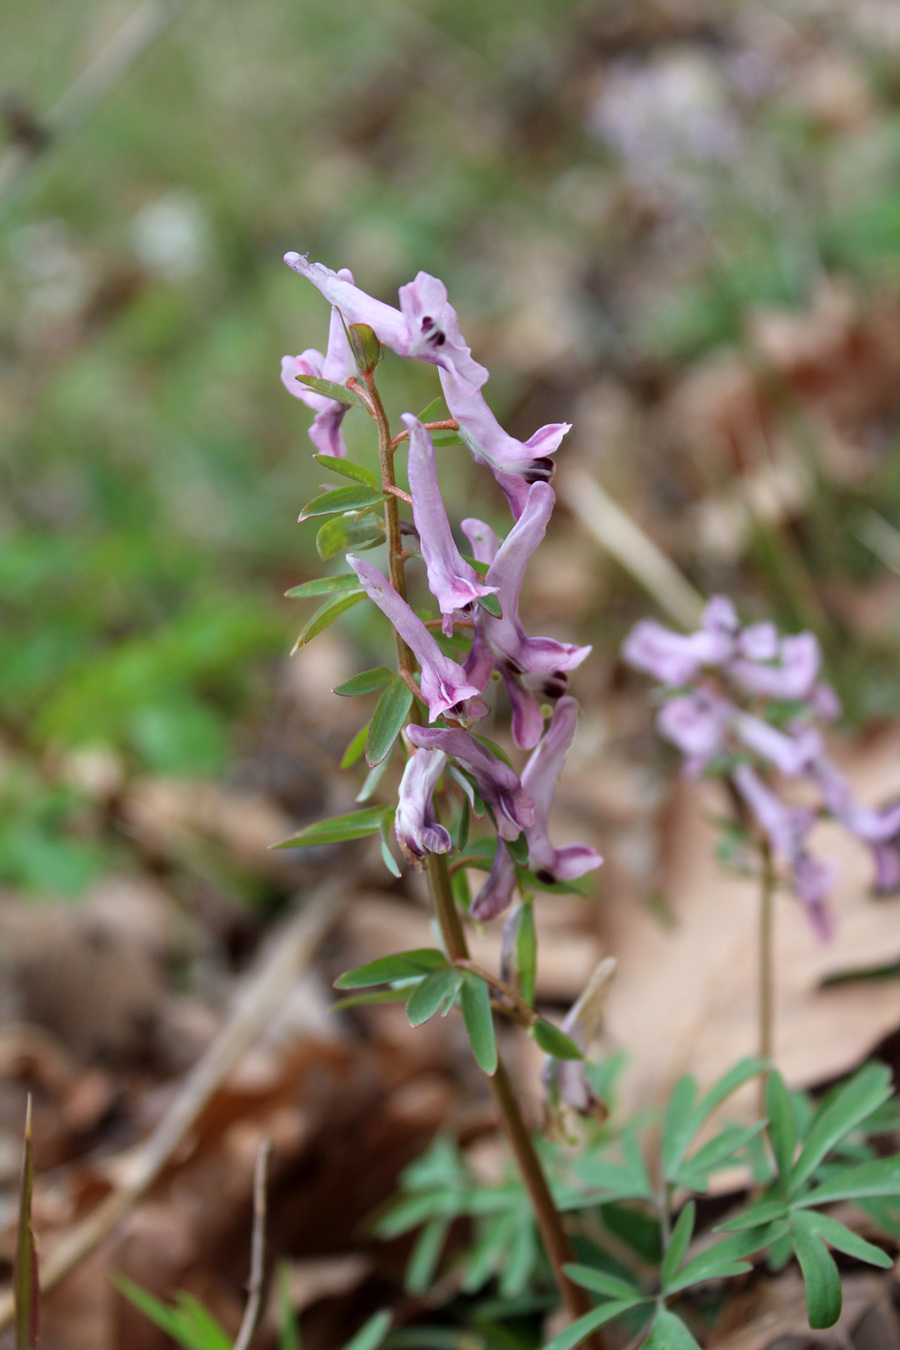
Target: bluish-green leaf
{"x": 764, "y": 1211}
{"x": 782, "y": 1126}
{"x": 325, "y": 615}
{"x": 678, "y": 1244}
{"x": 820, "y": 1275}
{"x": 475, "y": 1000}
{"x": 355, "y": 748}
{"x": 727, "y": 1257}
{"x": 880, "y": 1177}
{"x": 339, "y": 392}
{"x": 717, "y": 1152}
{"x": 431, "y": 995}
{"x": 357, "y": 497}
{"x": 372, "y": 1334}
{"x": 355, "y": 825}
{"x": 669, "y": 1333}
{"x": 399, "y": 966}
{"x": 579, "y": 1331}
{"x": 387, "y": 821}
{"x": 340, "y": 533}
{"x": 373, "y": 778}
{"x": 378, "y": 996}
{"x": 348, "y": 469}
{"x": 837, "y": 1235}
{"x": 735, "y": 1078}
{"x": 346, "y": 581}
{"x": 387, "y": 720}
{"x": 436, "y": 411}
{"x": 425, "y": 1256}
{"x": 864, "y": 1093}
{"x": 366, "y": 682}
{"x": 679, "y": 1123}
{"x": 553, "y": 1041}
{"x": 602, "y": 1282}
{"x": 526, "y": 952}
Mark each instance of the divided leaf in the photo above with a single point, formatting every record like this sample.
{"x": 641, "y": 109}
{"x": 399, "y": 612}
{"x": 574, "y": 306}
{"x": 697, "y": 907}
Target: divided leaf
{"x": 782, "y": 1126}
{"x": 840, "y": 1115}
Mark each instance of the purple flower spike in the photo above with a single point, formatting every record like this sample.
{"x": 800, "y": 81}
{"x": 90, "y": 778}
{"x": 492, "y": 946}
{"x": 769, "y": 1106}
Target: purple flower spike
{"x": 452, "y": 581}
{"x": 697, "y": 723}
{"x": 425, "y": 326}
{"x": 790, "y": 754}
{"x": 786, "y": 828}
{"x": 515, "y": 464}
{"x": 444, "y": 684}
{"x": 415, "y": 823}
{"x": 498, "y": 784}
{"x": 528, "y": 665}
{"x": 673, "y": 658}
{"x": 879, "y": 828}
{"x": 540, "y": 778}
{"x": 792, "y": 678}
{"x": 497, "y": 892}
{"x": 337, "y": 364}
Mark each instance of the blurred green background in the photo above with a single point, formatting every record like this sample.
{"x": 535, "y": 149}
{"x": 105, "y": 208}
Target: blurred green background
{"x": 611, "y": 191}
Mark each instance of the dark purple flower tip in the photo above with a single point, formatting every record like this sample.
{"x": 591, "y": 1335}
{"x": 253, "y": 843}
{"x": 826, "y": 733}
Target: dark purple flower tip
{"x": 498, "y": 784}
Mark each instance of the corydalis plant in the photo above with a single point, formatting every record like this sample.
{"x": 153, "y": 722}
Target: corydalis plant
{"x": 446, "y": 667}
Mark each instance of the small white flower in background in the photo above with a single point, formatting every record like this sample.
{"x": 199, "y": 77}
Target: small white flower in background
{"x": 172, "y": 236}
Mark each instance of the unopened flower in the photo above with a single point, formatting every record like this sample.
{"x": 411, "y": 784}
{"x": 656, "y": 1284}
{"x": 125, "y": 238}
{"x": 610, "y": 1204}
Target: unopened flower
{"x": 444, "y": 684}
{"x": 498, "y": 784}
{"x": 337, "y": 365}
{"x": 567, "y": 1079}
{"x": 452, "y": 581}
{"x": 415, "y": 823}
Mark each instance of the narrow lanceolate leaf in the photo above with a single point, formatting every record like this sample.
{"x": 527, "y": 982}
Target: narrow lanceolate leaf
{"x": 367, "y": 791}
{"x": 579, "y": 1331}
{"x": 526, "y": 952}
{"x": 376, "y": 996}
{"x": 678, "y": 1244}
{"x": 736, "y": 1077}
{"x": 782, "y": 1126}
{"x": 340, "y": 533}
{"x": 478, "y": 1016}
{"x": 366, "y": 682}
{"x": 880, "y": 1177}
{"x": 726, "y": 1258}
{"x": 721, "y": 1151}
{"x": 433, "y": 993}
{"x": 325, "y": 615}
{"x": 602, "y": 1282}
{"x": 339, "y": 392}
{"x": 669, "y": 1333}
{"x": 338, "y": 829}
{"x": 387, "y": 820}
{"x": 679, "y": 1123}
{"x": 820, "y": 1275}
{"x": 400, "y": 966}
{"x": 347, "y": 581}
{"x": 355, "y": 748}
{"x": 348, "y": 469}
{"x": 764, "y": 1211}
{"x": 26, "y": 1290}
{"x": 839, "y": 1116}
{"x": 555, "y": 1042}
{"x": 358, "y": 497}
{"x": 843, "y": 1239}
{"x": 372, "y": 1334}
{"x": 387, "y": 720}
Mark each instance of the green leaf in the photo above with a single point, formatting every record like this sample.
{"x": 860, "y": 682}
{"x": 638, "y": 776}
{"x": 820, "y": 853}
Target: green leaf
{"x": 359, "y": 497}
{"x": 735, "y": 1078}
{"x": 491, "y": 605}
{"x": 820, "y": 1274}
{"x": 436, "y": 411}
{"x": 347, "y": 581}
{"x": 880, "y": 1177}
{"x": 715, "y": 1153}
{"x": 602, "y": 1282}
{"x": 340, "y": 533}
{"x": 430, "y": 996}
{"x": 520, "y": 1258}
{"x": 366, "y": 682}
{"x": 339, "y": 392}
{"x": 553, "y": 1041}
{"x": 387, "y": 720}
{"x": 373, "y": 778}
{"x": 372, "y": 1334}
{"x": 625, "y": 1180}
{"x": 764, "y": 1211}
{"x": 425, "y": 1256}
{"x": 325, "y": 615}
{"x": 678, "y": 1244}
{"x": 669, "y": 1333}
{"x": 387, "y": 821}
{"x": 518, "y": 848}
{"x": 864, "y": 1093}
{"x": 348, "y": 469}
{"x": 580, "y": 1330}
{"x": 379, "y": 996}
{"x": 400, "y": 966}
{"x": 726, "y": 1258}
{"x": 475, "y": 998}
{"x": 526, "y": 952}
{"x": 355, "y": 748}
{"x": 679, "y": 1123}
{"x": 26, "y": 1286}
{"x": 355, "y": 825}
{"x": 843, "y": 1239}
{"x": 288, "y": 1330}
{"x": 461, "y": 829}
{"x": 782, "y": 1125}
{"x": 442, "y": 439}
{"x": 157, "y": 1312}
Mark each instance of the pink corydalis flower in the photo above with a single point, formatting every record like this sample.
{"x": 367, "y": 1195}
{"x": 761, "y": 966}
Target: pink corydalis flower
{"x": 529, "y": 666}
{"x": 444, "y": 684}
{"x": 452, "y": 581}
{"x": 337, "y": 364}
{"x": 498, "y": 784}
{"x": 415, "y": 822}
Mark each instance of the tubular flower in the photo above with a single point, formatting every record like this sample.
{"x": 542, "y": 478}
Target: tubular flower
{"x": 337, "y": 364}
{"x": 451, "y": 580}
{"x": 425, "y": 326}
{"x": 528, "y": 665}
{"x": 497, "y": 892}
{"x": 498, "y": 784}
{"x": 415, "y": 823}
{"x": 566, "y": 1079}
{"x": 539, "y": 779}
{"x": 445, "y": 685}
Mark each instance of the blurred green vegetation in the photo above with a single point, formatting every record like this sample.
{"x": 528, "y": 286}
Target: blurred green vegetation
{"x": 152, "y": 464}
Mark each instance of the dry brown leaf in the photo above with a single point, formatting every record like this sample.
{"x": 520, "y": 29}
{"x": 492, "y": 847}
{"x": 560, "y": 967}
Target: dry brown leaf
{"x": 772, "y": 1316}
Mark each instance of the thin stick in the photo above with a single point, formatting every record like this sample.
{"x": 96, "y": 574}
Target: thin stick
{"x": 291, "y": 952}
{"x": 624, "y": 540}
{"x": 766, "y": 963}
{"x": 253, "y": 1310}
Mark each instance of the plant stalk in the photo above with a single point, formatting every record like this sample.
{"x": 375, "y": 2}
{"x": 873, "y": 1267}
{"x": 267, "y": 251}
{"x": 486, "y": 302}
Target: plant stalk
{"x": 766, "y": 963}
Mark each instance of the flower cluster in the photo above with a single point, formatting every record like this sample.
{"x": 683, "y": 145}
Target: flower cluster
{"x": 744, "y": 702}
{"x": 485, "y": 600}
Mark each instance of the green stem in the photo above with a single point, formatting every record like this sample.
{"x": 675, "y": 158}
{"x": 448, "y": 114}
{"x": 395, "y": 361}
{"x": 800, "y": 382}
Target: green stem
{"x": 546, "y": 1215}
{"x": 766, "y": 963}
